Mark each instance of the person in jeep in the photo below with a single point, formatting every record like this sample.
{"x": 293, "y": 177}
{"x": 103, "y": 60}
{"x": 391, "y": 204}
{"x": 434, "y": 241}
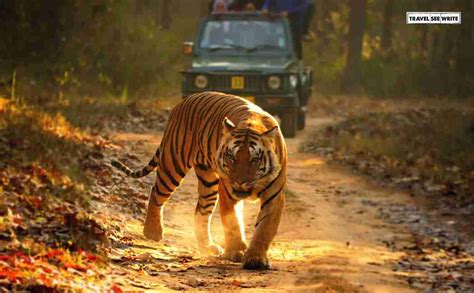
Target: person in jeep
{"x": 237, "y": 5}
{"x": 295, "y": 11}
{"x": 245, "y": 5}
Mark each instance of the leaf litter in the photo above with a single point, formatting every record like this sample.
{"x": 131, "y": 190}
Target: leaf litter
{"x": 401, "y": 149}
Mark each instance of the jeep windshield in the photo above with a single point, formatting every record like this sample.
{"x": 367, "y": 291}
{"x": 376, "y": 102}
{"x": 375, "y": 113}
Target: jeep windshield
{"x": 237, "y": 36}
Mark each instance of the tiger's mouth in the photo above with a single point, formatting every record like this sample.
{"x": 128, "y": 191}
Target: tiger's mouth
{"x": 242, "y": 192}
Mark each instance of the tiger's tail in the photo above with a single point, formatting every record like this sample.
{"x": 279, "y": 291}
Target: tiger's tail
{"x": 139, "y": 173}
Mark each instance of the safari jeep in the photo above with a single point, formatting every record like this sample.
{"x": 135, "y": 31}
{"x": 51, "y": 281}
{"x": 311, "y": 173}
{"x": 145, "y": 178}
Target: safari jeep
{"x": 250, "y": 55}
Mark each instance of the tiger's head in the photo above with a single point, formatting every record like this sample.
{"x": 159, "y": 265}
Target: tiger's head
{"x": 246, "y": 157}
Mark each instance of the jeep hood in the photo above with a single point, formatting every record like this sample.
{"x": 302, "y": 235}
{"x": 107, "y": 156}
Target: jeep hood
{"x": 243, "y": 63}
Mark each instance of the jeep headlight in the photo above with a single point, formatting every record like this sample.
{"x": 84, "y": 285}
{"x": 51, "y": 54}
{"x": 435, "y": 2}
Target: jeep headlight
{"x": 274, "y": 82}
{"x": 201, "y": 81}
{"x": 293, "y": 81}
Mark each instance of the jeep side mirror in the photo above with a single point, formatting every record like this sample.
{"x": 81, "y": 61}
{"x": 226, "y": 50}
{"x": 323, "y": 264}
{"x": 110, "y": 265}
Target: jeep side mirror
{"x": 188, "y": 48}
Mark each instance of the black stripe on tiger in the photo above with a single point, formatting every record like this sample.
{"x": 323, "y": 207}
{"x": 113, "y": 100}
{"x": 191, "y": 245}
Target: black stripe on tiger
{"x": 261, "y": 220}
{"x": 231, "y": 195}
{"x": 271, "y": 197}
{"x": 174, "y": 142}
{"x": 206, "y": 206}
{"x": 204, "y": 211}
{"x": 206, "y": 183}
{"x": 207, "y": 196}
{"x": 192, "y": 120}
{"x": 270, "y": 184}
{"x": 139, "y": 173}
{"x": 156, "y": 194}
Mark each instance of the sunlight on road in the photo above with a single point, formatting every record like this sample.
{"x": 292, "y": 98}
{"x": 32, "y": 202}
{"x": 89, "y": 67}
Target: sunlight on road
{"x": 302, "y": 250}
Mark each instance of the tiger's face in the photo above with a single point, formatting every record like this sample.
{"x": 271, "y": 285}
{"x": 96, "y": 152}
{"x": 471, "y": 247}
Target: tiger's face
{"x": 246, "y": 158}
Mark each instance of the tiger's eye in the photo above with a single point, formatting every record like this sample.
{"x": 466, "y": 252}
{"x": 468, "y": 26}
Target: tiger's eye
{"x": 230, "y": 157}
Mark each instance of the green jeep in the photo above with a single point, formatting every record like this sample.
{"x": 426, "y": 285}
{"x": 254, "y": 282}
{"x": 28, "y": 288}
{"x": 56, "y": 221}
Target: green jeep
{"x": 250, "y": 55}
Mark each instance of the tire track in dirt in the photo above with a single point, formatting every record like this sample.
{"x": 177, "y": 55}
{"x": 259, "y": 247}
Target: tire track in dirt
{"x": 329, "y": 238}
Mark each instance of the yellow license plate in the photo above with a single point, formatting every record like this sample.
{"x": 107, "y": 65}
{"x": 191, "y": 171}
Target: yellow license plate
{"x": 273, "y": 101}
{"x": 250, "y": 99}
{"x": 237, "y": 82}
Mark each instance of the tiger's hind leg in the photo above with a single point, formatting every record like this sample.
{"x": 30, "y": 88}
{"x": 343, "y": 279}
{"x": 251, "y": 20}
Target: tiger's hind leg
{"x": 153, "y": 228}
{"x": 164, "y": 186}
{"x": 207, "y": 189}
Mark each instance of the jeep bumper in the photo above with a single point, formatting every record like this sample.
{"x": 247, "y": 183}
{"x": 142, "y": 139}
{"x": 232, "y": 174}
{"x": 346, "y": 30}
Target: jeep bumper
{"x": 272, "y": 103}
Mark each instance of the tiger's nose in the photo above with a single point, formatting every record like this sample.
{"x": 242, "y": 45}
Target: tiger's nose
{"x": 241, "y": 191}
{"x": 245, "y": 187}
{"x": 241, "y": 186}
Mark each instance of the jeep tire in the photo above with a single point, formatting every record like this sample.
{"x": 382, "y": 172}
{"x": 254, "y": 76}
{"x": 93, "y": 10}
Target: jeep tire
{"x": 289, "y": 121}
{"x": 301, "y": 119}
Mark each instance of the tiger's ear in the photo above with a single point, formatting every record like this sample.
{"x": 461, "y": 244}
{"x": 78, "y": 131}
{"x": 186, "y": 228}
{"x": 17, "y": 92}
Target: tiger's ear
{"x": 271, "y": 132}
{"x": 228, "y": 125}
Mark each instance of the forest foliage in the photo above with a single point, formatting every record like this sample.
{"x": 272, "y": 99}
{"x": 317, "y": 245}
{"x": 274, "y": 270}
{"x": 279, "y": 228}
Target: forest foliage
{"x": 397, "y": 59}
{"x": 67, "y": 68}
{"x": 91, "y": 47}
{"x": 133, "y": 47}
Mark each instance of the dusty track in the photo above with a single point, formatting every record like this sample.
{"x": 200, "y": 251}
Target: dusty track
{"x": 330, "y": 239}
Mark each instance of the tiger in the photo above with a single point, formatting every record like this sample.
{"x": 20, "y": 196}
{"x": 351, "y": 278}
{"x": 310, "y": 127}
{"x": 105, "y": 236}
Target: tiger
{"x": 238, "y": 152}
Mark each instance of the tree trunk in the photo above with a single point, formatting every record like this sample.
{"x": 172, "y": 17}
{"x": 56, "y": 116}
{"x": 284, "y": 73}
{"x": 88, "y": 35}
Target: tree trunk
{"x": 387, "y": 25}
{"x": 424, "y": 30}
{"x": 464, "y": 59}
{"x": 324, "y": 24}
{"x": 424, "y": 40}
{"x": 353, "y": 71}
{"x": 317, "y": 18}
{"x": 139, "y": 7}
{"x": 204, "y": 7}
{"x": 155, "y": 6}
{"x": 166, "y": 14}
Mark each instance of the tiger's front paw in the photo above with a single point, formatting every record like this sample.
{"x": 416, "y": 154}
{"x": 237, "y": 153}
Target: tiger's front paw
{"x": 212, "y": 249}
{"x": 153, "y": 232}
{"x": 234, "y": 255}
{"x": 216, "y": 249}
{"x": 255, "y": 261}
{"x": 235, "y": 251}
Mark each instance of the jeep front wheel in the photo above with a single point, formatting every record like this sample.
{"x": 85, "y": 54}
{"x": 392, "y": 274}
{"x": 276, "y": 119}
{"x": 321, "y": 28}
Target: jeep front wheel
{"x": 289, "y": 121}
{"x": 301, "y": 119}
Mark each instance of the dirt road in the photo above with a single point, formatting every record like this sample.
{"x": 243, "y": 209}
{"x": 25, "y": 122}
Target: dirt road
{"x": 331, "y": 237}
